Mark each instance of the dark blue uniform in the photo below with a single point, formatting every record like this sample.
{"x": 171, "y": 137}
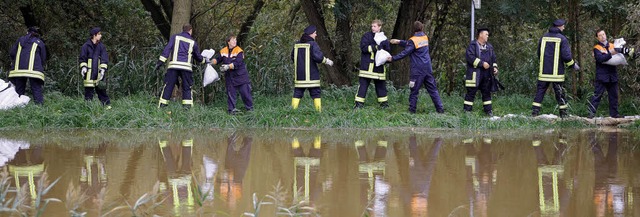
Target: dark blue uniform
{"x": 421, "y": 71}
{"x": 94, "y": 57}
{"x": 368, "y": 69}
{"x": 28, "y": 55}
{"x": 306, "y": 55}
{"x": 181, "y": 49}
{"x": 236, "y": 78}
{"x": 477, "y": 77}
{"x": 606, "y": 79}
{"x": 553, "y": 50}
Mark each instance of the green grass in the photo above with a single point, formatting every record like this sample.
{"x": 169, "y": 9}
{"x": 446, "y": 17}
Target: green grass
{"x": 139, "y": 111}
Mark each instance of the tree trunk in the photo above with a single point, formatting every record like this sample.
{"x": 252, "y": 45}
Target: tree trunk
{"x": 162, "y": 22}
{"x": 28, "y": 16}
{"x": 248, "y": 23}
{"x": 408, "y": 12}
{"x": 343, "y": 35}
{"x": 181, "y": 16}
{"x": 313, "y": 10}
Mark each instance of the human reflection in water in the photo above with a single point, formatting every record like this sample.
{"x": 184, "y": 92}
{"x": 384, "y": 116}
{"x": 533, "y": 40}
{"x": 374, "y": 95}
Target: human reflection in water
{"x": 422, "y": 164}
{"x": 609, "y": 191}
{"x": 235, "y": 166}
{"x": 307, "y": 162}
{"x": 177, "y": 173}
{"x": 27, "y": 167}
{"x": 482, "y": 175}
{"x": 371, "y": 166}
{"x": 554, "y": 195}
{"x": 93, "y": 176}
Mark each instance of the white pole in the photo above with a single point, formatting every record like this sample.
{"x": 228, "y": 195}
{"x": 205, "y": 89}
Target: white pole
{"x": 473, "y": 18}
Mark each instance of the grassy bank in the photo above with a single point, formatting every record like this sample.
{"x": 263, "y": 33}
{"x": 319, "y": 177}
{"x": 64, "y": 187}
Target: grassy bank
{"x": 140, "y": 111}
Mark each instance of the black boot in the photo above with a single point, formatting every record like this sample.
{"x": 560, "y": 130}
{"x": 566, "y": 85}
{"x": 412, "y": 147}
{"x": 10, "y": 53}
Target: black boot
{"x": 489, "y": 113}
{"x": 358, "y": 105}
{"x": 384, "y": 105}
{"x": 535, "y": 113}
{"x": 563, "y": 113}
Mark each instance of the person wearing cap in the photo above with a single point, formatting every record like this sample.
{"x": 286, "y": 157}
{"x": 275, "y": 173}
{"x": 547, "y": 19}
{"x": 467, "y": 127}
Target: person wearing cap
{"x": 236, "y": 75}
{"x": 606, "y": 75}
{"x": 93, "y": 65}
{"x": 182, "y": 49}
{"x": 28, "y": 56}
{"x": 481, "y": 67}
{"x": 368, "y": 69}
{"x": 554, "y": 53}
{"x": 421, "y": 70}
{"x": 306, "y": 54}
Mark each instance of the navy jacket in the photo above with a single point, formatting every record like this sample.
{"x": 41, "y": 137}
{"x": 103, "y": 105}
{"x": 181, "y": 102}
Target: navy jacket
{"x": 368, "y": 50}
{"x": 28, "y": 55}
{"x": 94, "y": 57}
{"x": 418, "y": 47}
{"x": 237, "y": 73}
{"x": 551, "y": 69}
{"x": 306, "y": 56}
{"x": 475, "y": 58}
{"x": 604, "y": 72}
{"x": 181, "y": 48}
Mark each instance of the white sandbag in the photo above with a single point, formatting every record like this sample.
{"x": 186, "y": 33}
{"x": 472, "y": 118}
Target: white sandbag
{"x": 208, "y": 53}
{"x": 616, "y": 60}
{"x": 381, "y": 57}
{"x": 379, "y": 37}
{"x": 618, "y": 43}
{"x": 9, "y": 149}
{"x": 9, "y": 98}
{"x": 210, "y": 75}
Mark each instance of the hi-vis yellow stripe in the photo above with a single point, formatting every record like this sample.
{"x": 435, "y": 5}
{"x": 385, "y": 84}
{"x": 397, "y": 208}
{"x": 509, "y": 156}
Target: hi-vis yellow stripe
{"x": 307, "y": 82}
{"x": 553, "y": 76}
{"x": 29, "y": 72}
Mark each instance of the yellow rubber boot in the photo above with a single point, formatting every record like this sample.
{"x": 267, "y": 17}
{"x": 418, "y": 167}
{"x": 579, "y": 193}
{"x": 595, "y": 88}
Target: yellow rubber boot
{"x": 318, "y": 104}
{"x": 317, "y": 142}
{"x": 295, "y": 102}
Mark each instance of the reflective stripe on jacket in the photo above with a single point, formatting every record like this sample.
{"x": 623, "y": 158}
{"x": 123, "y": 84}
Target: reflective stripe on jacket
{"x": 180, "y": 50}
{"x": 28, "y": 55}
{"x": 553, "y": 51}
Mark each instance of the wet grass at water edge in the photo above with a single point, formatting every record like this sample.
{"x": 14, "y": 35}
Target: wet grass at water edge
{"x": 140, "y": 111}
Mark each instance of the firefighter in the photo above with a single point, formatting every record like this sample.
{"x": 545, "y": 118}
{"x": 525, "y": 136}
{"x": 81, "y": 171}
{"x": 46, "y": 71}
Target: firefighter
{"x": 553, "y": 50}
{"x": 421, "y": 71}
{"x": 368, "y": 70}
{"x": 236, "y": 74}
{"x": 481, "y": 67}
{"x": 28, "y": 57}
{"x": 306, "y": 54}
{"x": 181, "y": 48}
{"x": 93, "y": 65}
{"x": 606, "y": 75}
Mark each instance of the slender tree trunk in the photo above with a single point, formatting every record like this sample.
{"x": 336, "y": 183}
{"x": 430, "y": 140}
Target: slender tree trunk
{"x": 408, "y": 12}
{"x": 28, "y": 16}
{"x": 343, "y": 36}
{"x": 313, "y": 10}
{"x": 248, "y": 23}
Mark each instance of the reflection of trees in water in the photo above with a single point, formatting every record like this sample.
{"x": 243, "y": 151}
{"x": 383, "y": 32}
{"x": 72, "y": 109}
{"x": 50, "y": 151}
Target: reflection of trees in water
{"x": 609, "y": 193}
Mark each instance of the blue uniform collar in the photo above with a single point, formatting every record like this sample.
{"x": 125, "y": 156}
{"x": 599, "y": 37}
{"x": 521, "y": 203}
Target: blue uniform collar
{"x": 419, "y": 34}
{"x": 554, "y": 30}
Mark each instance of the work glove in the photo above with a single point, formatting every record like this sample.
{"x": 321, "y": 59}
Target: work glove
{"x": 224, "y": 67}
{"x": 101, "y": 75}
{"x": 83, "y": 71}
{"x": 576, "y": 67}
{"x": 159, "y": 64}
{"x": 328, "y": 62}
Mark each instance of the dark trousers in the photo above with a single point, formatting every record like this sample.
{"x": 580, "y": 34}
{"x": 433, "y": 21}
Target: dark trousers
{"x": 245, "y": 94}
{"x": 542, "y": 88}
{"x": 612, "y": 90}
{"x": 381, "y": 89}
{"x": 170, "y": 80}
{"x": 313, "y": 91}
{"x": 20, "y": 84}
{"x": 102, "y": 94}
{"x": 484, "y": 85}
{"x": 430, "y": 84}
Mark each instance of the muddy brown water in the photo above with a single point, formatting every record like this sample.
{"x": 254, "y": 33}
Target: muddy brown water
{"x": 402, "y": 172}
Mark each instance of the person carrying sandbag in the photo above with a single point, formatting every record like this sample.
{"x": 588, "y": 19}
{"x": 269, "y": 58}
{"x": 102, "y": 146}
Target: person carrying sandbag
{"x": 236, "y": 75}
{"x": 606, "y": 74}
{"x": 369, "y": 46}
